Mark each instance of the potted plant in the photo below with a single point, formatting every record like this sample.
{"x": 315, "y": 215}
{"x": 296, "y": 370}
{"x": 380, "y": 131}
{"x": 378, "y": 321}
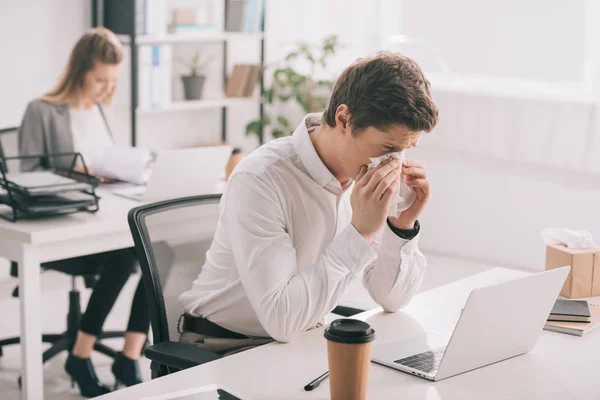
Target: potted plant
{"x": 193, "y": 84}
{"x": 294, "y": 92}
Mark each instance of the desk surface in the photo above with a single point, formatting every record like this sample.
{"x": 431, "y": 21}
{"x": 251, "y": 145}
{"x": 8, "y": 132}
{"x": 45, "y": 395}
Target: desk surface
{"x": 559, "y": 367}
{"x": 112, "y": 216}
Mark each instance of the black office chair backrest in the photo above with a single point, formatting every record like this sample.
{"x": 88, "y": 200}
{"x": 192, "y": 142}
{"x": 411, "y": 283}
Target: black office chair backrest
{"x": 171, "y": 239}
{"x": 7, "y": 135}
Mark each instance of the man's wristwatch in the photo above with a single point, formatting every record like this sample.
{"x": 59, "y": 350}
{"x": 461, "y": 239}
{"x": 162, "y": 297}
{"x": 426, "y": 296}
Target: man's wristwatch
{"x": 407, "y": 234}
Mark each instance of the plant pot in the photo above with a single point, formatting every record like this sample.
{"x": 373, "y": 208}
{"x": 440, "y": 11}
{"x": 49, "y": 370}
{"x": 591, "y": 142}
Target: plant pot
{"x": 193, "y": 86}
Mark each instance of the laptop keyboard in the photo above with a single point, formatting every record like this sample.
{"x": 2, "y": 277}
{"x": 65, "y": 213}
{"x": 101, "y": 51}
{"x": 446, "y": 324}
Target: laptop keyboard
{"x": 428, "y": 361}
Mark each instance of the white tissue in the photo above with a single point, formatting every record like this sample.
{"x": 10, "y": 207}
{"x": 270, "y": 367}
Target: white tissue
{"x": 570, "y": 238}
{"x": 404, "y": 196}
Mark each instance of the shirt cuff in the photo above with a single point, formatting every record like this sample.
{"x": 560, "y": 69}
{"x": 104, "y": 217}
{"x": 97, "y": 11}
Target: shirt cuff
{"x": 395, "y": 246}
{"x": 352, "y": 250}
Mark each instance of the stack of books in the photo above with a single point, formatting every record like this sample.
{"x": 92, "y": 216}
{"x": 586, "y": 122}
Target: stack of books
{"x": 573, "y": 317}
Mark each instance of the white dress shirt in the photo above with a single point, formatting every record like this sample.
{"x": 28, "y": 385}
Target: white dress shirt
{"x": 284, "y": 251}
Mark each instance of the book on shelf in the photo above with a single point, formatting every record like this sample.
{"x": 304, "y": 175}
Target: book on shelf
{"x": 201, "y": 14}
{"x": 576, "y": 328}
{"x": 155, "y": 62}
{"x": 155, "y": 17}
{"x": 242, "y": 81}
{"x": 244, "y": 15}
{"x": 155, "y": 76}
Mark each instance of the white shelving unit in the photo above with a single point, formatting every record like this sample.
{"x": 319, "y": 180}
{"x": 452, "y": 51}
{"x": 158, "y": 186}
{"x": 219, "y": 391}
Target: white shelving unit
{"x": 124, "y": 25}
{"x": 182, "y": 38}
{"x": 205, "y": 104}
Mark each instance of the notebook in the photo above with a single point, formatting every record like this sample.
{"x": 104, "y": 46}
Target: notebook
{"x": 576, "y": 328}
{"x": 570, "y": 311}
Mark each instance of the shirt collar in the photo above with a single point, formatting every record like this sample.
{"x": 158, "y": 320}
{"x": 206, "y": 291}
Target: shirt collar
{"x": 315, "y": 167}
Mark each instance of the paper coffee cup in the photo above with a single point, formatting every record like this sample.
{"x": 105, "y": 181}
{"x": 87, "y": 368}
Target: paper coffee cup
{"x": 349, "y": 343}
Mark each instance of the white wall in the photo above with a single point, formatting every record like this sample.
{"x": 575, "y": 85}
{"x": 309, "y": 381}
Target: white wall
{"x": 36, "y": 37}
{"x": 504, "y": 167}
{"x": 495, "y": 186}
{"x": 533, "y": 39}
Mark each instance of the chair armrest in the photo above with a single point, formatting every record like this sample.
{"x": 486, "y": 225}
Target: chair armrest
{"x": 346, "y": 311}
{"x": 179, "y": 355}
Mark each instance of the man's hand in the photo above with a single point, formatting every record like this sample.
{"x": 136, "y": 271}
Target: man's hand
{"x": 416, "y": 178}
{"x": 102, "y": 179}
{"x": 372, "y": 195}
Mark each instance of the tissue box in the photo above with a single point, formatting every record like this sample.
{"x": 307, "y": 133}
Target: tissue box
{"x": 584, "y": 278}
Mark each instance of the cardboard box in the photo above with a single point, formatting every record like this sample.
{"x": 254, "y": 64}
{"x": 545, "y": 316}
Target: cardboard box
{"x": 596, "y": 280}
{"x": 584, "y": 278}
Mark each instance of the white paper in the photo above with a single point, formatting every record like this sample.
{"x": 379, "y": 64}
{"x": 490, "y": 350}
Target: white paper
{"x": 129, "y": 164}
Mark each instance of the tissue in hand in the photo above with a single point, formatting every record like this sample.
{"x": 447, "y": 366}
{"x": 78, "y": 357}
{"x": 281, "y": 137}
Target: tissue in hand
{"x": 404, "y": 196}
{"x": 570, "y": 238}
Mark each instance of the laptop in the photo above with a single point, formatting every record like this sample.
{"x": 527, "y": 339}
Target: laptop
{"x": 180, "y": 173}
{"x": 498, "y": 322}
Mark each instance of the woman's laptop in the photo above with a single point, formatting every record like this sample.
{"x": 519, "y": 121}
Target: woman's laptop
{"x": 498, "y": 322}
{"x": 180, "y": 173}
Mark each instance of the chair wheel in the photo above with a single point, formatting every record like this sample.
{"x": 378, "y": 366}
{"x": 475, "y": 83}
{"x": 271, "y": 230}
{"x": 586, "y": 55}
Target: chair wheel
{"x": 20, "y": 383}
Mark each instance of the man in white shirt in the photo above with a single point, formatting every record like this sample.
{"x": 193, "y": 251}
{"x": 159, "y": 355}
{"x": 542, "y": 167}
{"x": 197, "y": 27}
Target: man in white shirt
{"x": 300, "y": 217}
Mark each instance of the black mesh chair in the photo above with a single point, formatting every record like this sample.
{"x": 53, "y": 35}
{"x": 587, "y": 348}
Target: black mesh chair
{"x": 89, "y": 272}
{"x": 171, "y": 239}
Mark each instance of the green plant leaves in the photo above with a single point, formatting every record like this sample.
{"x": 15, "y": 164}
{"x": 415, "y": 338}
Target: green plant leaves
{"x": 289, "y": 83}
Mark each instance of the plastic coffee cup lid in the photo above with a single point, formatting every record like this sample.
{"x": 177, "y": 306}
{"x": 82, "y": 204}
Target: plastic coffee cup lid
{"x": 349, "y": 331}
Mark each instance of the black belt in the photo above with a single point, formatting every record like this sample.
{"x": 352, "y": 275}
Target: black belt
{"x": 202, "y": 326}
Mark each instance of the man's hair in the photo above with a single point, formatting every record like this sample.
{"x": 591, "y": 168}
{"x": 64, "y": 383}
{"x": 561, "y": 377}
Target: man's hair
{"x": 381, "y": 91}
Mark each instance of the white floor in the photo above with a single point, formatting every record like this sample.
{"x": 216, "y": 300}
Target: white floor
{"x": 55, "y": 287}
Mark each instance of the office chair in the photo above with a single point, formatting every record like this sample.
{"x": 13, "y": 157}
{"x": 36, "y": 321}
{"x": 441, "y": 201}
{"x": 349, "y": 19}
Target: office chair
{"x": 63, "y": 341}
{"x": 171, "y": 239}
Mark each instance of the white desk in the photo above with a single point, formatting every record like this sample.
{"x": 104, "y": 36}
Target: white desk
{"x": 559, "y": 367}
{"x": 31, "y": 243}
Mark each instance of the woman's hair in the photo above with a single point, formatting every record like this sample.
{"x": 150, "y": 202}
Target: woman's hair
{"x": 97, "y": 45}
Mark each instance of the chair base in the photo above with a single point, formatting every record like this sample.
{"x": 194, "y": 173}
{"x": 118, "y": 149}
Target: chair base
{"x": 65, "y": 341}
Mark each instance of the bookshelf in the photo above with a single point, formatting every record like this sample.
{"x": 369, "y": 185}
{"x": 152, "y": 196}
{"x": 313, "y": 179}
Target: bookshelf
{"x": 120, "y": 17}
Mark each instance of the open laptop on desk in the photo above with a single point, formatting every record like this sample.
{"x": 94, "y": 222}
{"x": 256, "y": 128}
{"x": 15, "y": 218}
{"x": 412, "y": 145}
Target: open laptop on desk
{"x": 180, "y": 173}
{"x": 498, "y": 322}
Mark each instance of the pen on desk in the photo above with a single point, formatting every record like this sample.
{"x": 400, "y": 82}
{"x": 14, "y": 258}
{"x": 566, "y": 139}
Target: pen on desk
{"x": 316, "y": 382}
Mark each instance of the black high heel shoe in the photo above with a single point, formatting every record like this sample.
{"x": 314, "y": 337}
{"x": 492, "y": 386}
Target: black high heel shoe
{"x": 126, "y": 371}
{"x": 82, "y": 372}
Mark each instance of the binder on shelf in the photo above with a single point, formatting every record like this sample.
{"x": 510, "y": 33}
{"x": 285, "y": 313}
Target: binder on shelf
{"x": 244, "y": 15}
{"x": 242, "y": 80}
{"x": 48, "y": 192}
{"x": 234, "y": 15}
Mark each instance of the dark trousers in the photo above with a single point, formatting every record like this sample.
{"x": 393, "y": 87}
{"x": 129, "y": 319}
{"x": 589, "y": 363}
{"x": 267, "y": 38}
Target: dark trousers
{"x": 114, "y": 268}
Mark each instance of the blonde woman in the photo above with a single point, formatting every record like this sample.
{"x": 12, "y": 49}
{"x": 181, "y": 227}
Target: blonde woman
{"x": 71, "y": 117}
